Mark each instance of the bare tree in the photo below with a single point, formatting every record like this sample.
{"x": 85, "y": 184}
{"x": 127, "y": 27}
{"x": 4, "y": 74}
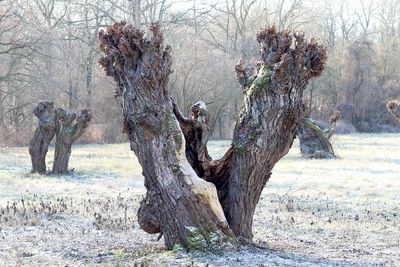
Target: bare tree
{"x": 43, "y": 135}
{"x": 365, "y": 15}
{"x": 50, "y": 47}
{"x": 18, "y": 49}
{"x": 232, "y": 19}
{"x": 346, "y": 21}
{"x": 68, "y": 128}
{"x": 287, "y": 14}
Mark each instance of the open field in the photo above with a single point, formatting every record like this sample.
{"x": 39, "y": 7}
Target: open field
{"x": 342, "y": 212}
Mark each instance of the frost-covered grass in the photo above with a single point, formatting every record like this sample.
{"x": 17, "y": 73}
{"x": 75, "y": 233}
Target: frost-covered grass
{"x": 311, "y": 213}
{"x": 346, "y": 208}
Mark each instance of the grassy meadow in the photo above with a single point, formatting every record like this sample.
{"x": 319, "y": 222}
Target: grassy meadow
{"x": 341, "y": 212}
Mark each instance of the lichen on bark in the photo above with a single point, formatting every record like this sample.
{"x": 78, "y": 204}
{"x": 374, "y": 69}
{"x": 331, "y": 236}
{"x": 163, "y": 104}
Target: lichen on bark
{"x": 259, "y": 81}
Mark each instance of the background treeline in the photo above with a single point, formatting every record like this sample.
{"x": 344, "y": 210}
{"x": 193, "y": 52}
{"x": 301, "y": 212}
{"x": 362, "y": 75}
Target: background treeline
{"x": 49, "y": 52}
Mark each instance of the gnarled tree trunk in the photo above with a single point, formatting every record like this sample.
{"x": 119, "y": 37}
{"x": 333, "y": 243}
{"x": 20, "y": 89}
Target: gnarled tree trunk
{"x": 394, "y": 107}
{"x": 178, "y": 203}
{"x": 314, "y": 141}
{"x": 43, "y": 134}
{"x": 67, "y": 131}
{"x": 267, "y": 124}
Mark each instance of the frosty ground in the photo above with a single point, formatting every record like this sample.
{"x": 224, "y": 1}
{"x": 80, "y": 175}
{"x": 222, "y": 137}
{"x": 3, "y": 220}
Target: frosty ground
{"x": 342, "y": 212}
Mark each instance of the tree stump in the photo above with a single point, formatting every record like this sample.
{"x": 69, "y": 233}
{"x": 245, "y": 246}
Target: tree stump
{"x": 68, "y": 128}
{"x": 193, "y": 200}
{"x": 314, "y": 141}
{"x": 44, "y": 133}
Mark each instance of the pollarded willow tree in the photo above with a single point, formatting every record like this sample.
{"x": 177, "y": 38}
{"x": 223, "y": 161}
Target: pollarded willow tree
{"x": 59, "y": 123}
{"x": 316, "y": 142}
{"x": 69, "y": 127}
{"x": 191, "y": 199}
{"x": 39, "y": 144}
{"x": 394, "y": 107}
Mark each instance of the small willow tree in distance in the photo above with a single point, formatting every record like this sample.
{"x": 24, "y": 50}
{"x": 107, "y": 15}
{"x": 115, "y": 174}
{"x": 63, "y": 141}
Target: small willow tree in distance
{"x": 66, "y": 126}
{"x": 193, "y": 200}
{"x": 315, "y": 143}
{"x": 394, "y": 107}
{"x": 44, "y": 133}
{"x": 69, "y": 127}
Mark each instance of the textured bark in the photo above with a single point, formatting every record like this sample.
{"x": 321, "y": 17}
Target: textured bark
{"x": 314, "y": 141}
{"x": 394, "y": 107}
{"x": 43, "y": 134}
{"x": 267, "y": 124}
{"x": 178, "y": 203}
{"x": 69, "y": 128}
{"x": 195, "y": 131}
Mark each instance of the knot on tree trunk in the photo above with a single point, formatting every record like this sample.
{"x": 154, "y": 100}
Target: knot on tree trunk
{"x": 148, "y": 214}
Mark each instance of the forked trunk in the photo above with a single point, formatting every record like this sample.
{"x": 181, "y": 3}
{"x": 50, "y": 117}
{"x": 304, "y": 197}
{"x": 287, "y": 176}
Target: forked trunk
{"x": 67, "y": 131}
{"x": 43, "y": 134}
{"x": 178, "y": 203}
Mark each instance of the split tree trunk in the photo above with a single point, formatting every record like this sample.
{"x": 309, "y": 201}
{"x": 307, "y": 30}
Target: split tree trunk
{"x": 43, "y": 134}
{"x": 178, "y": 203}
{"x": 67, "y": 131}
{"x": 314, "y": 141}
{"x": 394, "y": 108}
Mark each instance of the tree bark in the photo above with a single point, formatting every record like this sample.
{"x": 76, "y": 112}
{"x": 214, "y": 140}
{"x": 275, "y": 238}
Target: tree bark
{"x": 69, "y": 128}
{"x": 178, "y": 203}
{"x": 394, "y": 107}
{"x": 267, "y": 124}
{"x": 314, "y": 141}
{"x": 43, "y": 135}
{"x": 196, "y": 130}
